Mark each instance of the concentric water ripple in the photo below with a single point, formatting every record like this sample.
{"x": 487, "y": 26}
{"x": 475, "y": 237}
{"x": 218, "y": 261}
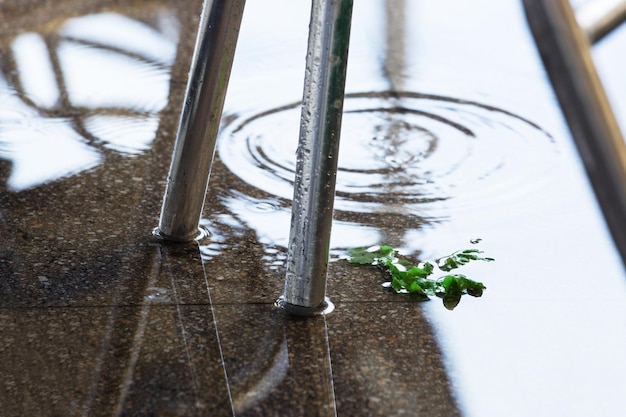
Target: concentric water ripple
{"x": 402, "y": 153}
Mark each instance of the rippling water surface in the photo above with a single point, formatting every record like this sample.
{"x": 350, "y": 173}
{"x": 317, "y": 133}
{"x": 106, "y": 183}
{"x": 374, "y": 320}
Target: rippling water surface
{"x": 402, "y": 153}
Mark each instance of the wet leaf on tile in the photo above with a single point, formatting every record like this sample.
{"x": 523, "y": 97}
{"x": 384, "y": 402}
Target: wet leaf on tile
{"x": 416, "y": 280}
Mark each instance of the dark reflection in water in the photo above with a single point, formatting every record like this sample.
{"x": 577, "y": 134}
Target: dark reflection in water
{"x": 73, "y": 93}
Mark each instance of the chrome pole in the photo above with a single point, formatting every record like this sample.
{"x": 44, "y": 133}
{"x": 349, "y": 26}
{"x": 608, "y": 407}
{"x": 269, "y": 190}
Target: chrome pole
{"x": 200, "y": 119}
{"x": 318, "y": 148}
{"x": 565, "y": 50}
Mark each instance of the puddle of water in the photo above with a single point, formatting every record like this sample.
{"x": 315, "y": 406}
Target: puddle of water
{"x": 415, "y": 154}
{"x": 221, "y": 232}
{"x": 416, "y": 157}
{"x": 475, "y": 147}
{"x": 31, "y": 144}
{"x": 99, "y": 78}
{"x": 271, "y": 225}
{"x": 156, "y": 43}
{"x": 124, "y": 134}
{"x": 82, "y": 90}
{"x": 30, "y": 53}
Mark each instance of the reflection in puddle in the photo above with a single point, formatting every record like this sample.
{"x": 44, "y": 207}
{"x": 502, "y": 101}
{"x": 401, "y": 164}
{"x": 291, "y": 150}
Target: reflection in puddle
{"x": 409, "y": 155}
{"x": 82, "y": 90}
{"x": 272, "y": 226}
{"x": 36, "y": 71}
{"x": 155, "y": 43}
{"x": 97, "y": 78}
{"x": 425, "y": 154}
{"x": 124, "y": 134}
{"x": 270, "y": 219}
{"x": 287, "y": 353}
{"x": 219, "y": 231}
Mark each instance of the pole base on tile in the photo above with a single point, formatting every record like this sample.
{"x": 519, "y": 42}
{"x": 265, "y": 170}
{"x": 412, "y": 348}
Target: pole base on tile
{"x": 325, "y": 308}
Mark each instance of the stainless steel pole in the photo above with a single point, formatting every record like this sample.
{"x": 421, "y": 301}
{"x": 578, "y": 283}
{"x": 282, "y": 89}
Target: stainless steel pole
{"x": 199, "y": 123}
{"x": 565, "y": 50}
{"x": 316, "y": 170}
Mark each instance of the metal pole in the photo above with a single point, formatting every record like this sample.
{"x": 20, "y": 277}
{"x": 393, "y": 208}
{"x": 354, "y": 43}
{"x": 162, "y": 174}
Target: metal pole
{"x": 598, "y": 18}
{"x": 316, "y": 170}
{"x": 199, "y": 123}
{"x": 565, "y": 50}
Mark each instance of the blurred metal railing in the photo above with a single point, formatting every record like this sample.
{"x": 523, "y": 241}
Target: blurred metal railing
{"x": 564, "y": 39}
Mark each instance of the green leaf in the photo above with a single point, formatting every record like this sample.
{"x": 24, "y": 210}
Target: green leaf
{"x": 471, "y": 287}
{"x": 457, "y": 259}
{"x": 396, "y": 284}
{"x": 459, "y": 283}
{"x": 417, "y": 272}
{"x": 362, "y": 256}
{"x": 368, "y": 256}
{"x": 452, "y": 291}
{"x": 397, "y": 278}
{"x": 451, "y": 301}
{"x": 428, "y": 267}
{"x": 386, "y": 251}
{"x": 416, "y": 281}
{"x": 414, "y": 287}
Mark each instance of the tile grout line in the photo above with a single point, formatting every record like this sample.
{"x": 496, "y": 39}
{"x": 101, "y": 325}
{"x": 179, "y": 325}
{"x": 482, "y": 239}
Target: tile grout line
{"x": 217, "y": 333}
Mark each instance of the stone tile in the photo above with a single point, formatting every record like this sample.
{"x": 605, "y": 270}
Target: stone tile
{"x": 111, "y": 361}
{"x": 378, "y": 359}
{"x": 276, "y": 365}
{"x": 386, "y": 362}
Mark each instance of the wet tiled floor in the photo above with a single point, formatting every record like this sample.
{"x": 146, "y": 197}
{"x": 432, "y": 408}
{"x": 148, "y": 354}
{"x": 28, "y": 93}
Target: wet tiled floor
{"x": 98, "y": 318}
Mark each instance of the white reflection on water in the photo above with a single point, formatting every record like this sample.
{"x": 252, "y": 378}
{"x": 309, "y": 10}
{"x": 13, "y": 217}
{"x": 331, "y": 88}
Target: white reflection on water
{"x": 82, "y": 90}
{"x": 124, "y": 134}
{"x": 156, "y": 43}
{"x": 98, "y": 78}
{"x": 37, "y": 74}
{"x": 35, "y": 155}
{"x": 270, "y": 220}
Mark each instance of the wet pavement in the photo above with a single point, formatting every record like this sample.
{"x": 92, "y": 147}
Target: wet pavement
{"x": 451, "y": 133}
